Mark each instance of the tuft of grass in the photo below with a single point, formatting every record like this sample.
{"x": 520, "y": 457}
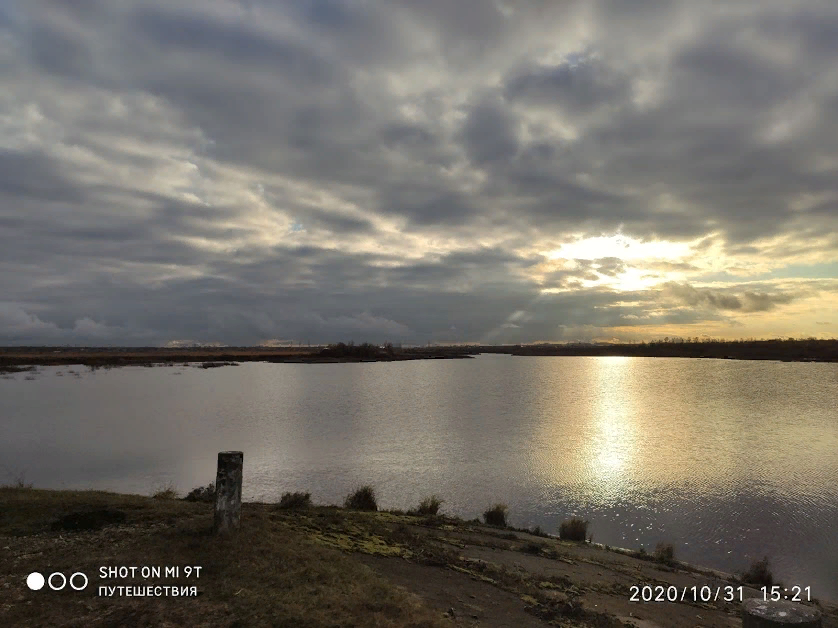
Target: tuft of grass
{"x": 362, "y": 499}
{"x": 537, "y": 531}
{"x": 496, "y": 515}
{"x": 429, "y": 506}
{"x": 574, "y": 529}
{"x": 665, "y": 553}
{"x": 295, "y": 500}
{"x": 759, "y": 573}
{"x": 167, "y": 491}
{"x": 202, "y": 494}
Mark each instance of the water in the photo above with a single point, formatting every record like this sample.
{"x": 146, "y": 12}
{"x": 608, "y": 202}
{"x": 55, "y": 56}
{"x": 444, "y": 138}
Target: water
{"x": 727, "y": 460}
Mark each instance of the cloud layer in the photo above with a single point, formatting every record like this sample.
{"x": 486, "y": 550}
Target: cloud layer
{"x": 476, "y": 171}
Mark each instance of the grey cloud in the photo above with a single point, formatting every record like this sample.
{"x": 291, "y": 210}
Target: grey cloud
{"x": 757, "y": 302}
{"x": 669, "y": 266}
{"x": 489, "y": 133}
{"x": 34, "y": 175}
{"x": 748, "y": 302}
{"x": 426, "y": 205}
{"x": 610, "y": 266}
{"x": 688, "y": 295}
{"x": 234, "y": 43}
{"x": 335, "y": 223}
{"x": 576, "y": 88}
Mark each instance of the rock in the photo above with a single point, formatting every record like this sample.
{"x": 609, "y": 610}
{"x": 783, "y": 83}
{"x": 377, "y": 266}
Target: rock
{"x": 758, "y": 613}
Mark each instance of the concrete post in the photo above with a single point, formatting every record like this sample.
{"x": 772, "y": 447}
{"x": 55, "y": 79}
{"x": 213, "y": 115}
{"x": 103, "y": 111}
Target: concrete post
{"x": 228, "y": 491}
{"x": 757, "y": 613}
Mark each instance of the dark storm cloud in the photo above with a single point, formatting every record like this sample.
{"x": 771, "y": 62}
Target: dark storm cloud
{"x": 238, "y": 171}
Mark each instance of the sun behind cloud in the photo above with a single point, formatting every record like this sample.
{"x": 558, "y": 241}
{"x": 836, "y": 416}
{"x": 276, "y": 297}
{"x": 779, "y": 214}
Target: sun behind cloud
{"x": 619, "y": 261}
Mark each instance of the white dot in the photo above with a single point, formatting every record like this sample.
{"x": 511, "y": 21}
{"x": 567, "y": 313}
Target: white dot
{"x": 35, "y": 581}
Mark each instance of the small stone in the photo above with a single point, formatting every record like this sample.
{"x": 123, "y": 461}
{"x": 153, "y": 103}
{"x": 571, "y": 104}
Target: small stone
{"x": 757, "y": 613}
{"x": 451, "y": 613}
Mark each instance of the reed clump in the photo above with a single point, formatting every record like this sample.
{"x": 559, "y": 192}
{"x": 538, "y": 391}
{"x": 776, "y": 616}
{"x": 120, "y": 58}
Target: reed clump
{"x": 429, "y": 506}
{"x": 574, "y": 529}
{"x": 362, "y": 498}
{"x": 295, "y": 501}
{"x": 496, "y": 515}
{"x": 759, "y": 573}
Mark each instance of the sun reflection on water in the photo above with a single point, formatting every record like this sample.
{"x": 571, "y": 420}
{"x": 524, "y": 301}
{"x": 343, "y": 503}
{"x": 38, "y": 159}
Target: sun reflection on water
{"x": 612, "y": 448}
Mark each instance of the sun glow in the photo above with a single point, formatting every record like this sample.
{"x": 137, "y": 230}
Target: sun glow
{"x": 601, "y": 251}
{"x": 620, "y": 246}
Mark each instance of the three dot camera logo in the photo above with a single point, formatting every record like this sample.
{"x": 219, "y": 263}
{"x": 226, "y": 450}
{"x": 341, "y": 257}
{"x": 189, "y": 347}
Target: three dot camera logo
{"x": 57, "y": 581}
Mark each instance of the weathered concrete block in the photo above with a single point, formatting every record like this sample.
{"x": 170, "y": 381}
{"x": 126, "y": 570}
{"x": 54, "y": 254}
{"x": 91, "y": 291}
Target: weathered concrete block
{"x": 228, "y": 491}
{"x": 757, "y": 613}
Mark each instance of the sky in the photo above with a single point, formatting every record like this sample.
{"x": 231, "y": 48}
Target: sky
{"x": 414, "y": 171}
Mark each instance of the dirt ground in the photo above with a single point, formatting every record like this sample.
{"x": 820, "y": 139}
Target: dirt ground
{"x": 488, "y": 577}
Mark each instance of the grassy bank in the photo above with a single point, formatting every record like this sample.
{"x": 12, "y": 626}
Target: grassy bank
{"x": 303, "y": 565}
{"x": 269, "y": 574}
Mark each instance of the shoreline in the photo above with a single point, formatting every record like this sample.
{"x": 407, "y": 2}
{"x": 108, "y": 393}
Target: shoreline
{"x": 455, "y": 572}
{"x": 11, "y": 358}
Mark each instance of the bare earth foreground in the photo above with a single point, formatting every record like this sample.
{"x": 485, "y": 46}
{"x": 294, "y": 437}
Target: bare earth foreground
{"x": 322, "y": 566}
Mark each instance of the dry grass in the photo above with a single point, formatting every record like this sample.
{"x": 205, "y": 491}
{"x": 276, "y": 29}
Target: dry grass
{"x": 759, "y": 573}
{"x": 430, "y": 506}
{"x": 574, "y": 529}
{"x": 665, "y": 553}
{"x": 496, "y": 515}
{"x": 202, "y": 494}
{"x": 166, "y": 491}
{"x": 295, "y": 500}
{"x": 362, "y": 498}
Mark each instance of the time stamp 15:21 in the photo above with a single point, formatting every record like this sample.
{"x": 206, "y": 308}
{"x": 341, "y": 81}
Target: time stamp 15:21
{"x": 706, "y": 593}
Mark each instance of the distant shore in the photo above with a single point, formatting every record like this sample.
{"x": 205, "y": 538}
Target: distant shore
{"x": 11, "y": 358}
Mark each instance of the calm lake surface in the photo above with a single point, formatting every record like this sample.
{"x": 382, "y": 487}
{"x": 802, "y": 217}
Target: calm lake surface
{"x": 727, "y": 460}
